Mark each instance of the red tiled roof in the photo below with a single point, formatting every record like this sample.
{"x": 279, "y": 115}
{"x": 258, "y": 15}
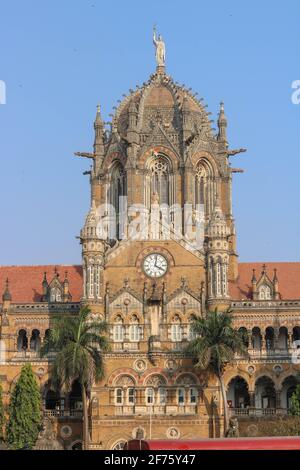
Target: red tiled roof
{"x": 288, "y": 275}
{"x": 25, "y": 282}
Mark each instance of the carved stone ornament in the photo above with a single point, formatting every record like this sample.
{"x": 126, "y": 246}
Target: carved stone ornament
{"x": 140, "y": 365}
{"x": 173, "y": 433}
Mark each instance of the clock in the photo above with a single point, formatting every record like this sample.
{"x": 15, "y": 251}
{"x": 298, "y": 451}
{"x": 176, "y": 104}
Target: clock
{"x": 155, "y": 265}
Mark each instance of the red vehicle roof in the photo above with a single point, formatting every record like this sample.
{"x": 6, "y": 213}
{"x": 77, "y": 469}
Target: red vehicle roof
{"x": 243, "y": 443}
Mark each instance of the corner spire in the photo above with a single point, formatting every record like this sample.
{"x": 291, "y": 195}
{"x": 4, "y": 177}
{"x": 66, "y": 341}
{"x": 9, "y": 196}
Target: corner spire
{"x": 222, "y": 124}
{"x": 99, "y": 138}
{"x": 276, "y": 285}
{"x": 6, "y": 297}
{"x": 98, "y": 119}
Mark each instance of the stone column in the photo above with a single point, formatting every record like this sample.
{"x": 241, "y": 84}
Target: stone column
{"x": 278, "y": 399}
{"x": 263, "y": 340}
{"x": 252, "y": 398}
{"x": 289, "y": 339}
{"x": 276, "y": 338}
{"x": 250, "y": 339}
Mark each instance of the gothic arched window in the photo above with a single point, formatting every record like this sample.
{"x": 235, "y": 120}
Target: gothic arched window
{"x": 134, "y": 333}
{"x": 117, "y": 186}
{"x": 217, "y": 269}
{"x": 218, "y": 278}
{"x": 55, "y": 294}
{"x": 117, "y": 191}
{"x": 159, "y": 182}
{"x": 264, "y": 292}
{"x": 91, "y": 277}
{"x": 22, "y": 341}
{"x": 118, "y": 330}
{"x": 205, "y": 186}
{"x": 176, "y": 330}
{"x": 35, "y": 340}
{"x": 191, "y": 334}
{"x": 160, "y": 179}
{"x": 224, "y": 277}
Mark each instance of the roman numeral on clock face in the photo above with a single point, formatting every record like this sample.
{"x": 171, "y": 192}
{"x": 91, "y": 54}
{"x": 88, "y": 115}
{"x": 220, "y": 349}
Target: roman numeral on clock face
{"x": 155, "y": 265}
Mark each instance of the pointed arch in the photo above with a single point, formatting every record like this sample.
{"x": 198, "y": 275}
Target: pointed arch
{"x": 117, "y": 190}
{"x": 205, "y": 186}
{"x": 159, "y": 180}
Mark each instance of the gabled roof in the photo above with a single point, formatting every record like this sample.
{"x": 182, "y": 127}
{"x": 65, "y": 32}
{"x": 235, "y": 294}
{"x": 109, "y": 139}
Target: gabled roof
{"x": 288, "y": 275}
{"x": 25, "y": 282}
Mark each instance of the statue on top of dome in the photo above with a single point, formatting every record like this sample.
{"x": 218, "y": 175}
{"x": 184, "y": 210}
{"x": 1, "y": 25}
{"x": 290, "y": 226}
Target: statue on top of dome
{"x": 160, "y": 49}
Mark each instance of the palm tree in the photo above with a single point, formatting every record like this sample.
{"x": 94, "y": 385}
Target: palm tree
{"x": 79, "y": 344}
{"x": 214, "y": 346}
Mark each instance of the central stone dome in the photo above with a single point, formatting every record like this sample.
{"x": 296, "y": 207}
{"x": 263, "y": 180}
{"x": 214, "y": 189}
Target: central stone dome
{"x": 161, "y": 100}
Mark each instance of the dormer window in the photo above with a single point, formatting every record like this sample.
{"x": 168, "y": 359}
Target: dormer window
{"x": 264, "y": 292}
{"x": 55, "y": 294}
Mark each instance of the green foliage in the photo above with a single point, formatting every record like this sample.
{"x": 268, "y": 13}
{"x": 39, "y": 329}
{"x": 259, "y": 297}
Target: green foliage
{"x": 79, "y": 343}
{"x": 24, "y": 411}
{"x": 216, "y": 342}
{"x": 295, "y": 402}
{"x": 2, "y": 416}
{"x": 283, "y": 426}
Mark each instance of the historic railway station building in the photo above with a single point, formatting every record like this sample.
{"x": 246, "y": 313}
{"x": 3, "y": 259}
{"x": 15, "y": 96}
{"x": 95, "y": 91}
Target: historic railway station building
{"x": 161, "y": 150}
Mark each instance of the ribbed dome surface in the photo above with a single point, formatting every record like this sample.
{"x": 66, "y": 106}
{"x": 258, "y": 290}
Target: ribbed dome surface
{"x": 163, "y": 94}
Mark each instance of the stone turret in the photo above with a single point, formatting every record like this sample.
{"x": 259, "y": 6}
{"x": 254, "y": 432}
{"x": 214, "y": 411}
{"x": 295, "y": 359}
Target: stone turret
{"x": 276, "y": 286}
{"x": 6, "y": 299}
{"x": 218, "y": 259}
{"x": 66, "y": 290}
{"x": 93, "y": 248}
{"x": 254, "y": 285}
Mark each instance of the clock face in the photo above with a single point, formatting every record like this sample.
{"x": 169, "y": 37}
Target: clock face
{"x": 155, "y": 265}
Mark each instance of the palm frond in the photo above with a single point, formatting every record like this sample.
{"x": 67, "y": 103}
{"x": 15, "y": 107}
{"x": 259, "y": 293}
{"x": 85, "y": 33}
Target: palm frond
{"x": 79, "y": 344}
{"x": 217, "y": 341}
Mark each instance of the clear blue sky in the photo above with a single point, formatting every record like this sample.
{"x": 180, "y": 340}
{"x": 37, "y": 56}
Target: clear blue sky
{"x": 60, "y": 58}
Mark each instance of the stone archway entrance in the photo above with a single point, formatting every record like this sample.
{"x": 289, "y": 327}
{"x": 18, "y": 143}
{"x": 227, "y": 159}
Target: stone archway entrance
{"x": 238, "y": 394}
{"x": 288, "y": 388}
{"x": 265, "y": 395}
